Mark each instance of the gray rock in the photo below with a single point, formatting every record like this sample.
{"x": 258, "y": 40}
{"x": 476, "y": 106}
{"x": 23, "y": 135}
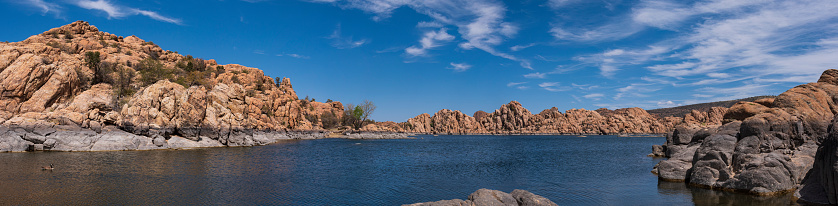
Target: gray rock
{"x": 454, "y": 202}
{"x": 116, "y": 141}
{"x": 77, "y": 140}
{"x": 677, "y": 166}
{"x": 492, "y": 197}
{"x": 159, "y": 141}
{"x": 657, "y": 151}
{"x": 683, "y": 134}
{"x": 240, "y": 138}
{"x": 263, "y": 138}
{"x": 764, "y": 174}
{"x": 34, "y": 138}
{"x": 36, "y": 147}
{"x": 487, "y": 197}
{"x": 43, "y": 130}
{"x": 11, "y": 141}
{"x": 526, "y": 198}
{"x": 146, "y": 143}
{"x": 176, "y": 142}
{"x": 820, "y": 186}
{"x": 712, "y": 161}
{"x": 50, "y": 143}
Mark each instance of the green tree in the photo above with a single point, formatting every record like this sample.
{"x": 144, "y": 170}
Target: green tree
{"x": 152, "y": 71}
{"x": 91, "y": 59}
{"x": 358, "y": 115}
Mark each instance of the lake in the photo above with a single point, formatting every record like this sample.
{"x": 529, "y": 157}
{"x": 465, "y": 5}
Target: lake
{"x": 569, "y": 170}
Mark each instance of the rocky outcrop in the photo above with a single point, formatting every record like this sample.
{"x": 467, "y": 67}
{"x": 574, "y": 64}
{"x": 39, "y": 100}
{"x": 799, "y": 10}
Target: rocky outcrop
{"x": 513, "y": 118}
{"x": 764, "y": 147}
{"x": 54, "y": 95}
{"x": 487, "y": 197}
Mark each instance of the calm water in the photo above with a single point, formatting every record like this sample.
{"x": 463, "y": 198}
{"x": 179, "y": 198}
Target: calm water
{"x": 594, "y": 170}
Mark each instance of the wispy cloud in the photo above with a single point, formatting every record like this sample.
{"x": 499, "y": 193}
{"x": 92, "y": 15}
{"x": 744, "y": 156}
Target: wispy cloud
{"x": 518, "y": 85}
{"x": 667, "y": 103}
{"x": 513, "y": 84}
{"x": 45, "y": 7}
{"x": 298, "y": 56}
{"x": 553, "y": 87}
{"x": 342, "y": 42}
{"x": 536, "y": 75}
{"x": 521, "y": 47}
{"x": 459, "y": 67}
{"x": 635, "y": 90}
{"x": 431, "y": 40}
{"x": 594, "y": 96}
{"x": 480, "y": 22}
{"x": 116, "y": 11}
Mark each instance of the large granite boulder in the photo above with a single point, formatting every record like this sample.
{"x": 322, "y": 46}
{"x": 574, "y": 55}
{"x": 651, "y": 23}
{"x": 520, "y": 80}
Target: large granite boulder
{"x": 765, "y": 147}
{"x": 820, "y": 186}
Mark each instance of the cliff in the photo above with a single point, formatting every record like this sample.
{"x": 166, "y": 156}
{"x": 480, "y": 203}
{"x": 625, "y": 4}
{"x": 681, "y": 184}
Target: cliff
{"x": 80, "y": 80}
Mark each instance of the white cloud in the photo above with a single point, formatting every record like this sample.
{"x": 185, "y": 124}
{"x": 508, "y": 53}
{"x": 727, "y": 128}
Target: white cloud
{"x": 669, "y": 103}
{"x": 45, "y": 7}
{"x": 584, "y": 86}
{"x": 116, "y": 11}
{"x": 459, "y": 67}
{"x": 521, "y": 47}
{"x": 298, "y": 56}
{"x": 480, "y": 22}
{"x": 431, "y": 40}
{"x": 107, "y": 7}
{"x": 738, "y": 92}
{"x": 518, "y": 85}
{"x": 156, "y": 16}
{"x": 536, "y": 75}
{"x": 661, "y": 14}
{"x": 594, "y": 96}
{"x": 607, "y": 32}
{"x": 512, "y": 84}
{"x": 553, "y": 87}
{"x": 635, "y": 90}
{"x": 342, "y": 42}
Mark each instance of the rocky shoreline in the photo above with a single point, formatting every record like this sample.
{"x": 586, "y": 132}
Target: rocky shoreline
{"x": 767, "y": 147}
{"x": 76, "y": 139}
{"x": 487, "y": 197}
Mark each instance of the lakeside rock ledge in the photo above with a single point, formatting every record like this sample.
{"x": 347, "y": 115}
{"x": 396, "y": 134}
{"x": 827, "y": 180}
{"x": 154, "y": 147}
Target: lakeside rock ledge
{"x": 766, "y": 147}
{"x": 487, "y": 197}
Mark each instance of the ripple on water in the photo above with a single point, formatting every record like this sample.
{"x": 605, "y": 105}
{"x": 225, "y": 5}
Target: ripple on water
{"x": 597, "y": 170}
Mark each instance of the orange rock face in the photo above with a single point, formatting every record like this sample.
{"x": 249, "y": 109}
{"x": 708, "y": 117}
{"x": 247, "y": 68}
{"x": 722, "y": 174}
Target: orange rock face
{"x": 45, "y": 78}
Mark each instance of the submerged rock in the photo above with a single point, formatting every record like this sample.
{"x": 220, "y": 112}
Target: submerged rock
{"x": 487, "y": 197}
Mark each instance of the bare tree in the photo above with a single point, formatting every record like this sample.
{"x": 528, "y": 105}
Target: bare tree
{"x": 366, "y": 109}
{"x": 358, "y": 115}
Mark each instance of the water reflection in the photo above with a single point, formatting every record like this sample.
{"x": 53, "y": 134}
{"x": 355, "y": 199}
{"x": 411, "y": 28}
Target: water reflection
{"x": 715, "y": 197}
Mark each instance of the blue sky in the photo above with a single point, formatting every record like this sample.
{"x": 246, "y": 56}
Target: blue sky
{"x": 420, "y": 56}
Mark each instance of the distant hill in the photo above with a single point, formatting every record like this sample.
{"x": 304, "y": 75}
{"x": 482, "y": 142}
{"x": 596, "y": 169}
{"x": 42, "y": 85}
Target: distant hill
{"x": 680, "y": 111}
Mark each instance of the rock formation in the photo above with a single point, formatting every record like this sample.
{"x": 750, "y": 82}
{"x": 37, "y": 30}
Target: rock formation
{"x": 513, "y": 118}
{"x": 487, "y": 197}
{"x": 763, "y": 147}
{"x": 77, "y": 88}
